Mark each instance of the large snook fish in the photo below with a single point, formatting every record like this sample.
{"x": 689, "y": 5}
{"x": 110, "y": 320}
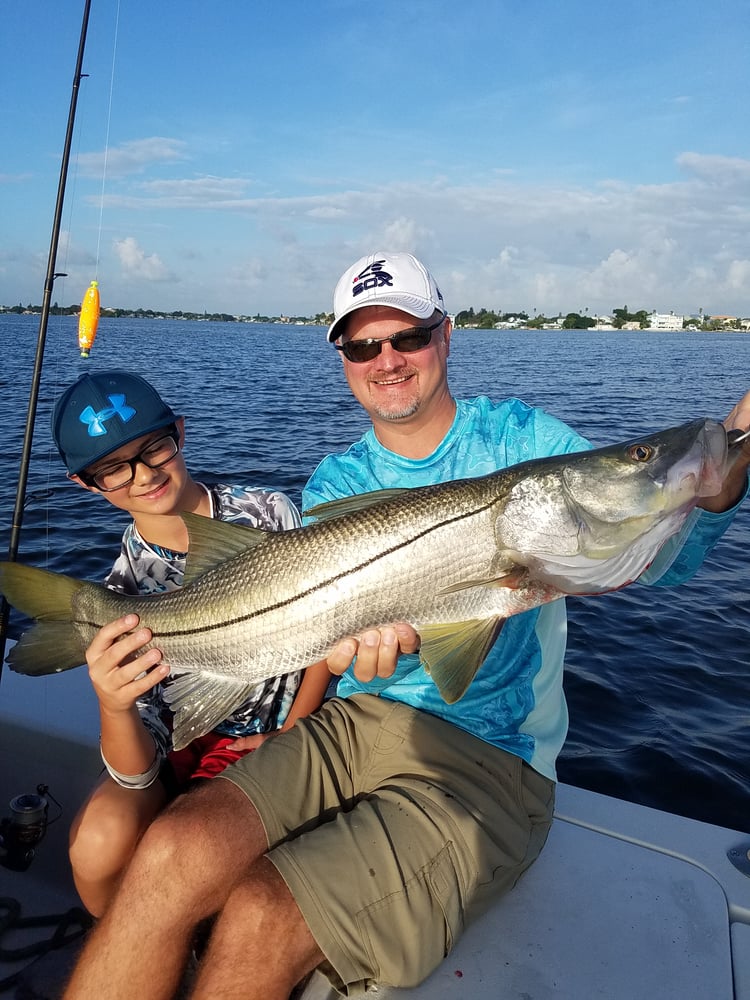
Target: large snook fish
{"x": 455, "y": 560}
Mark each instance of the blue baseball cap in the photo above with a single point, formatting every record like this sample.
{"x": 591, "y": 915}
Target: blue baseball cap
{"x": 100, "y": 413}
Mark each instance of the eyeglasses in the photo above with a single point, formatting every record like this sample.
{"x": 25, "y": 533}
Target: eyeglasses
{"x": 154, "y": 455}
{"x": 405, "y": 342}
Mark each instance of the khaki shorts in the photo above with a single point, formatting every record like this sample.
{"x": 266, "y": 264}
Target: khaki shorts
{"x": 393, "y": 830}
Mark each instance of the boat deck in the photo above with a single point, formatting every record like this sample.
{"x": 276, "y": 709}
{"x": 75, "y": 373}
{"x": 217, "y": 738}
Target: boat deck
{"x": 625, "y": 903}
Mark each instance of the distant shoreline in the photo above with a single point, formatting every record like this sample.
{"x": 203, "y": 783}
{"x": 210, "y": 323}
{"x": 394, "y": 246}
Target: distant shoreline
{"x": 483, "y": 320}
{"x": 319, "y": 320}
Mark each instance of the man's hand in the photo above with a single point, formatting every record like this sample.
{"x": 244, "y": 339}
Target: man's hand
{"x": 736, "y": 479}
{"x": 377, "y": 651}
{"x": 251, "y": 742}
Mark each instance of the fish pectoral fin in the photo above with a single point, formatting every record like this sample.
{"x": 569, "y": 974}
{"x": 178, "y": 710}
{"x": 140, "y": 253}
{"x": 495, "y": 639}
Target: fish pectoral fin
{"x": 212, "y": 542}
{"x": 512, "y": 580}
{"x": 350, "y": 505}
{"x": 452, "y": 654}
{"x": 200, "y": 701}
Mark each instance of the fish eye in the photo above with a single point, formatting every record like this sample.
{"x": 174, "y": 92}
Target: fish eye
{"x": 641, "y": 452}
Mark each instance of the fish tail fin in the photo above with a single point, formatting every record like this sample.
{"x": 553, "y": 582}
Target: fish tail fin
{"x": 38, "y": 593}
{"x": 47, "y": 648}
{"x": 53, "y": 644}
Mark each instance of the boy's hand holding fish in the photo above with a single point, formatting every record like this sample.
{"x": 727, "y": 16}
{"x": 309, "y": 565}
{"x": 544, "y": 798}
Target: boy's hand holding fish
{"x": 119, "y": 677}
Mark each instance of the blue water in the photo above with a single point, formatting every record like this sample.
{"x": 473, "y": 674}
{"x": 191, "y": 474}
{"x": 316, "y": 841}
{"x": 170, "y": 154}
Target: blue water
{"x": 657, "y": 681}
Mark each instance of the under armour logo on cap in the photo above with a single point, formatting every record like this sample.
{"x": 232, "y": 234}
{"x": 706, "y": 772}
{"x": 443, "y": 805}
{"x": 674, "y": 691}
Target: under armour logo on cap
{"x": 95, "y": 421}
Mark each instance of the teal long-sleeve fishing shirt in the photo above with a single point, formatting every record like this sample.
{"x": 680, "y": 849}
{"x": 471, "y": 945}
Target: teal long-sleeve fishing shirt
{"x": 516, "y": 700}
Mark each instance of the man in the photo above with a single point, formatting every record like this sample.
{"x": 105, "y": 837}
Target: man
{"x": 363, "y": 840}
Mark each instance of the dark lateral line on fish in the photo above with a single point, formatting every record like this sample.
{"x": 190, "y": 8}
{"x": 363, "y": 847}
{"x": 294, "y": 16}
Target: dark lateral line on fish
{"x": 326, "y": 583}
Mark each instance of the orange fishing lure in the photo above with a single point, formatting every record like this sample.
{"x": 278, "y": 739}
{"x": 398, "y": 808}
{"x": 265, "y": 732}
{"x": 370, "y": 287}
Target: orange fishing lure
{"x": 88, "y": 319}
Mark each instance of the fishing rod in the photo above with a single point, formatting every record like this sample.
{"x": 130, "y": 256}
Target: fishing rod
{"x": 23, "y": 474}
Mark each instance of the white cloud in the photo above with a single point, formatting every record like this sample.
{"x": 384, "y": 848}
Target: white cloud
{"x": 514, "y": 244}
{"x": 249, "y": 274}
{"x": 207, "y": 190}
{"x": 406, "y": 232}
{"x": 719, "y": 169}
{"x": 325, "y": 212}
{"x": 738, "y": 277}
{"x": 131, "y": 157}
{"x": 137, "y": 264}
{"x": 70, "y": 255}
{"x": 502, "y": 242}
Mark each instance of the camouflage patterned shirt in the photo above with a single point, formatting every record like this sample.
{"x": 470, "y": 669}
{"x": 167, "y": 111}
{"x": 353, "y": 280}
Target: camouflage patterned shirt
{"x": 142, "y": 568}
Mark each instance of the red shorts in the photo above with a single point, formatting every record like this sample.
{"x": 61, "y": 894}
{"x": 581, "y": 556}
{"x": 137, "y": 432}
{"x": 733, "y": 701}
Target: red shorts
{"x": 205, "y": 757}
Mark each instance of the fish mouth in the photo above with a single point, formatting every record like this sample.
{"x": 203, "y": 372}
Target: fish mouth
{"x": 703, "y": 468}
{"x": 688, "y": 463}
{"x": 719, "y": 460}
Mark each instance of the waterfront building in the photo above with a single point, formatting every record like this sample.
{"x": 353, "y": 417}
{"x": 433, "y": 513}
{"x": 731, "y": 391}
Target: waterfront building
{"x": 665, "y": 321}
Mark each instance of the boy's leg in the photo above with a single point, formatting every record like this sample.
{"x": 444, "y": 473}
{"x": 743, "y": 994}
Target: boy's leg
{"x": 185, "y": 868}
{"x": 104, "y": 835}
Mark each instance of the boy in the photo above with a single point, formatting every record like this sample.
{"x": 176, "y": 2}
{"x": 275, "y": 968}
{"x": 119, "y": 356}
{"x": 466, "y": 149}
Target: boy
{"x": 119, "y": 438}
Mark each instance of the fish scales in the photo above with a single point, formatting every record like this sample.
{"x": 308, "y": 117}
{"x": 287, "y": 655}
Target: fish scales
{"x": 455, "y": 559}
{"x": 282, "y": 601}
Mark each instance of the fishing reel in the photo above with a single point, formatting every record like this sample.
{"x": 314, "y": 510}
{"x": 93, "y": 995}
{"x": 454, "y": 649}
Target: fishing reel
{"x": 23, "y": 829}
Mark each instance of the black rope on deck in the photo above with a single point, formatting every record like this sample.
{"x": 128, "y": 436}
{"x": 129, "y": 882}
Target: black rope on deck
{"x": 68, "y": 927}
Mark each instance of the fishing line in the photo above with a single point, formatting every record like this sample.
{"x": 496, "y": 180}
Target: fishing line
{"x": 49, "y": 490}
{"x": 106, "y": 140}
{"x": 737, "y": 437}
{"x": 60, "y": 371}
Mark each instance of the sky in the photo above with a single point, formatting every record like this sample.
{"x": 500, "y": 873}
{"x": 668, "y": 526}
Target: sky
{"x": 237, "y": 156}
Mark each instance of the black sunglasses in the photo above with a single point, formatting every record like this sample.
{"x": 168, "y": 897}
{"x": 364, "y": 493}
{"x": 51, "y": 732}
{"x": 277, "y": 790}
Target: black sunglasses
{"x": 405, "y": 342}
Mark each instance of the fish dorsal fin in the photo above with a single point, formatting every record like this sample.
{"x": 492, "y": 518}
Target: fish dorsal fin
{"x": 453, "y": 653}
{"x": 200, "y": 701}
{"x": 212, "y": 542}
{"x": 350, "y": 505}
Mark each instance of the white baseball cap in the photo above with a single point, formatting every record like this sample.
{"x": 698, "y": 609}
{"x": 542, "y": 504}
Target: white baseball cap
{"x": 398, "y": 280}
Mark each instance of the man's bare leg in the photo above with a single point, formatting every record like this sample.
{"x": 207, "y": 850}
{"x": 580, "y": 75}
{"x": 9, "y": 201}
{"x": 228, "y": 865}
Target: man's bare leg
{"x": 187, "y": 865}
{"x": 260, "y": 947}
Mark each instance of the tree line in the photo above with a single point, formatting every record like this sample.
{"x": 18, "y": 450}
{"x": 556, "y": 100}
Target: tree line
{"x": 481, "y": 319}
{"x": 218, "y": 317}
{"x": 485, "y": 319}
